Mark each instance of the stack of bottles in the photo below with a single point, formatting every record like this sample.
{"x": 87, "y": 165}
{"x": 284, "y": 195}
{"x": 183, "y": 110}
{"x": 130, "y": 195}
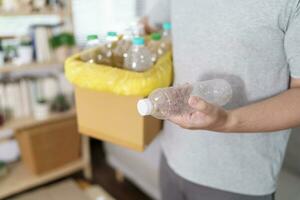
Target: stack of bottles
{"x": 131, "y": 51}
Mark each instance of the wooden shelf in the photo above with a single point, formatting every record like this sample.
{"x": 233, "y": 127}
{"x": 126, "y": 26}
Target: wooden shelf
{"x": 15, "y": 68}
{"x": 29, "y": 122}
{"x": 45, "y": 12}
{"x": 20, "y": 179}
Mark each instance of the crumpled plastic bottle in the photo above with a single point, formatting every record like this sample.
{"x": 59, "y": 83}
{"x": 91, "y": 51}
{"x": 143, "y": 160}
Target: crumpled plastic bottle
{"x": 173, "y": 101}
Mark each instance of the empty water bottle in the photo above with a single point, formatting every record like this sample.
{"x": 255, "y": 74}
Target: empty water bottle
{"x": 139, "y": 57}
{"x": 166, "y": 41}
{"x": 166, "y": 102}
{"x": 122, "y": 48}
{"x": 91, "y": 49}
{"x": 107, "y": 52}
{"x": 155, "y": 48}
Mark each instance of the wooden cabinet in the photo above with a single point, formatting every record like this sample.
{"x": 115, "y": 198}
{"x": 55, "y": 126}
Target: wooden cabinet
{"x": 49, "y": 146}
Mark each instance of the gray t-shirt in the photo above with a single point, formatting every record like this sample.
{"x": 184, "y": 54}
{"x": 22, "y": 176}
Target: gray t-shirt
{"x": 255, "y": 45}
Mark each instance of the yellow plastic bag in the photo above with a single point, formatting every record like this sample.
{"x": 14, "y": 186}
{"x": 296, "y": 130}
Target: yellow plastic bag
{"x": 119, "y": 81}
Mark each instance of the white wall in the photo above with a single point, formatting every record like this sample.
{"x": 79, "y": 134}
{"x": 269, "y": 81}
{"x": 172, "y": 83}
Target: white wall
{"x": 149, "y": 4}
{"x": 100, "y": 16}
{"x": 90, "y": 16}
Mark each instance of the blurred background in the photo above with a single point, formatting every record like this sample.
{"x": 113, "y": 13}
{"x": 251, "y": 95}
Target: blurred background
{"x": 42, "y": 156}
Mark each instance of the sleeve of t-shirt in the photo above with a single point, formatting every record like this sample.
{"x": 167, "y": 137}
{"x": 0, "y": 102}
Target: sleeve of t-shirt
{"x": 159, "y": 13}
{"x": 292, "y": 41}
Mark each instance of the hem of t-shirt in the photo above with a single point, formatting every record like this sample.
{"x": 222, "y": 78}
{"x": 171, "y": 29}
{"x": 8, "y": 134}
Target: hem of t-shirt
{"x": 176, "y": 171}
{"x": 294, "y": 63}
{"x": 295, "y": 76}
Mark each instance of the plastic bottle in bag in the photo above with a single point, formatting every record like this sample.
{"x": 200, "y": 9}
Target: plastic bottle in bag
{"x": 106, "y": 56}
{"x": 166, "y": 102}
{"x": 139, "y": 57}
{"x": 155, "y": 48}
{"x": 166, "y": 41}
{"x": 122, "y": 48}
{"x": 91, "y": 49}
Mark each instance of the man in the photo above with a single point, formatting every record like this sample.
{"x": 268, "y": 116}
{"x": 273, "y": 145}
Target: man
{"x": 234, "y": 153}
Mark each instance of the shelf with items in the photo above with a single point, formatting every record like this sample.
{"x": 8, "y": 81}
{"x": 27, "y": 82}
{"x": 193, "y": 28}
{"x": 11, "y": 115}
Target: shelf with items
{"x": 44, "y": 22}
{"x": 25, "y": 98}
{"x": 8, "y": 68}
{"x": 21, "y": 176}
{"x": 20, "y": 179}
{"x": 45, "y": 12}
{"x": 22, "y": 123}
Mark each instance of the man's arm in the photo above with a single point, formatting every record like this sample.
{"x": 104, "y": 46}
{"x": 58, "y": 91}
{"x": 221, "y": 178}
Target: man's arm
{"x": 148, "y": 28}
{"x": 277, "y": 113}
{"x": 156, "y": 16}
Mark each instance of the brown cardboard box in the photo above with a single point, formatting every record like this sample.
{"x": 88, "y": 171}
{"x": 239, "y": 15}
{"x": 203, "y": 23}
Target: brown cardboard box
{"x": 49, "y": 145}
{"x": 114, "y": 119}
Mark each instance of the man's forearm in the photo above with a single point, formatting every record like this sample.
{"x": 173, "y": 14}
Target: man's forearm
{"x": 274, "y": 114}
{"x": 277, "y": 113}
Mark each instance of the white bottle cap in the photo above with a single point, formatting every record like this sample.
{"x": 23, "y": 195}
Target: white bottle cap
{"x": 144, "y": 107}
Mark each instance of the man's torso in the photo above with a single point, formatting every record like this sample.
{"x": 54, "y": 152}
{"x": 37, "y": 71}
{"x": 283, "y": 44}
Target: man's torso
{"x": 242, "y": 42}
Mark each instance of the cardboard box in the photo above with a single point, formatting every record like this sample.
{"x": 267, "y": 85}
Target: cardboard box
{"x": 50, "y": 145}
{"x": 114, "y": 119}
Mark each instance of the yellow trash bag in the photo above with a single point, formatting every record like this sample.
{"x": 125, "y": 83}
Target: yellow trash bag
{"x": 105, "y": 78}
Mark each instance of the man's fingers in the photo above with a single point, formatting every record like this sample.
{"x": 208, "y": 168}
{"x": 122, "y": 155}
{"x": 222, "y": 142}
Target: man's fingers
{"x": 176, "y": 119}
{"x": 190, "y": 120}
{"x": 200, "y": 105}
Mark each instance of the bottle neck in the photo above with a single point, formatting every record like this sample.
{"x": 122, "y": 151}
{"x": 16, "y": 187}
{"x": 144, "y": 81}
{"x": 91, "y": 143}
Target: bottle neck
{"x": 93, "y": 42}
{"x": 155, "y": 41}
{"x": 167, "y": 33}
{"x": 127, "y": 37}
{"x": 111, "y": 39}
{"x": 138, "y": 46}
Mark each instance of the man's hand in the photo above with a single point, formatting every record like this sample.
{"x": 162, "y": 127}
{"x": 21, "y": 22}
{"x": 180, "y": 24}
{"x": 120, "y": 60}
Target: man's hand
{"x": 277, "y": 113}
{"x": 206, "y": 116}
{"x": 148, "y": 28}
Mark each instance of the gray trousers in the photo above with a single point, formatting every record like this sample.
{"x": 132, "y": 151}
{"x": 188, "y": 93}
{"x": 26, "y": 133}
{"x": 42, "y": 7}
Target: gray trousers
{"x": 174, "y": 187}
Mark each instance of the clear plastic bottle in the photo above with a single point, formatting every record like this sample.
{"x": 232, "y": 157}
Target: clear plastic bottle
{"x": 91, "y": 49}
{"x": 166, "y": 41}
{"x": 166, "y": 102}
{"x": 122, "y": 48}
{"x": 139, "y": 57}
{"x": 106, "y": 56}
{"x": 154, "y": 47}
